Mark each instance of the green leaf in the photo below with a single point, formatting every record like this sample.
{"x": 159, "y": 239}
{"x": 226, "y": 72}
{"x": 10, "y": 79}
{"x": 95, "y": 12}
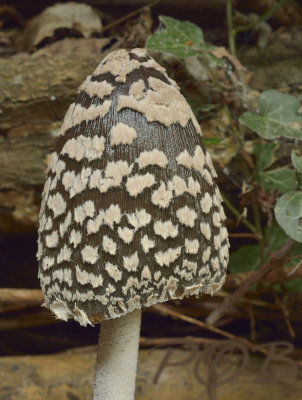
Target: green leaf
{"x": 282, "y": 179}
{"x": 266, "y": 156}
{"x": 197, "y": 106}
{"x": 293, "y": 285}
{"x": 179, "y": 38}
{"x": 297, "y": 161}
{"x": 275, "y": 237}
{"x": 246, "y": 258}
{"x": 295, "y": 255}
{"x": 299, "y": 179}
{"x": 205, "y": 53}
{"x": 213, "y": 142}
{"x": 288, "y": 211}
{"x": 277, "y": 116}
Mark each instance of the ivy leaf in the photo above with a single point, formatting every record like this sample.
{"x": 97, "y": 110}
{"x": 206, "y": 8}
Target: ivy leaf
{"x": 181, "y": 39}
{"x": 198, "y": 106}
{"x": 288, "y": 211}
{"x": 175, "y": 37}
{"x": 206, "y": 52}
{"x": 205, "y": 107}
{"x": 246, "y": 258}
{"x": 275, "y": 237}
{"x": 282, "y": 179}
{"x": 296, "y": 255}
{"x": 277, "y": 116}
{"x": 297, "y": 161}
{"x": 266, "y": 156}
{"x": 293, "y": 285}
{"x": 213, "y": 141}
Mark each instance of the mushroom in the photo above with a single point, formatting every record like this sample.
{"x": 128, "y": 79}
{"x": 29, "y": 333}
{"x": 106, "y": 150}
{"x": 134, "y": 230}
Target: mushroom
{"x": 130, "y": 212}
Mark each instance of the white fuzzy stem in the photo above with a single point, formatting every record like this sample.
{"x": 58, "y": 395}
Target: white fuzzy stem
{"x": 117, "y": 358}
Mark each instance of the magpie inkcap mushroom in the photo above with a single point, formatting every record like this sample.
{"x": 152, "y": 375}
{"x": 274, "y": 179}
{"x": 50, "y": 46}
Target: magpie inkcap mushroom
{"x": 131, "y": 214}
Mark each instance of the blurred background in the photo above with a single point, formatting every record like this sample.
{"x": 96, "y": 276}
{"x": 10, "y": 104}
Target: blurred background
{"x": 239, "y": 65}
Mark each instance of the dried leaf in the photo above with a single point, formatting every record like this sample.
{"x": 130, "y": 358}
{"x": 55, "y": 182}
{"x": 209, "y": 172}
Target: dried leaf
{"x": 59, "y": 21}
{"x": 23, "y": 208}
{"x": 9, "y": 16}
{"x": 221, "y": 52}
{"x": 137, "y": 31}
{"x": 80, "y": 46}
{"x": 257, "y": 194}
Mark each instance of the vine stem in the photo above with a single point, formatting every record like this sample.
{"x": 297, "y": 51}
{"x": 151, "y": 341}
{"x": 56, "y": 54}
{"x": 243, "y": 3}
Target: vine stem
{"x": 249, "y": 225}
{"x": 276, "y": 260}
{"x": 129, "y": 15}
{"x": 232, "y": 32}
{"x": 261, "y": 240}
{"x": 263, "y": 17}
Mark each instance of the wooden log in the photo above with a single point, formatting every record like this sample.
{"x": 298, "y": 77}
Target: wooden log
{"x": 37, "y": 88}
{"x": 17, "y": 299}
{"x": 24, "y": 319}
{"x": 23, "y": 155}
{"x": 162, "y": 374}
{"x": 35, "y": 91}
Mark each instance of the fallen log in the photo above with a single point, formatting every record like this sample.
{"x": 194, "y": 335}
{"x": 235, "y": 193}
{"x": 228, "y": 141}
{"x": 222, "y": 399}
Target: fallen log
{"x": 38, "y": 87}
{"x": 162, "y": 373}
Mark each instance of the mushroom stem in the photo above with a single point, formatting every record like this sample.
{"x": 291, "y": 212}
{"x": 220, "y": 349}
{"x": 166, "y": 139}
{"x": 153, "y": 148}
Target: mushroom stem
{"x": 117, "y": 358}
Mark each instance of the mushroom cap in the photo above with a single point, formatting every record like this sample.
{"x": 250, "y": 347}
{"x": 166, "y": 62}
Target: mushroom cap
{"x": 130, "y": 212}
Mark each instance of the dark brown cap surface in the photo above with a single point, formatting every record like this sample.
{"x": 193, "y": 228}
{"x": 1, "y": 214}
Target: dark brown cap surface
{"x": 130, "y": 214}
